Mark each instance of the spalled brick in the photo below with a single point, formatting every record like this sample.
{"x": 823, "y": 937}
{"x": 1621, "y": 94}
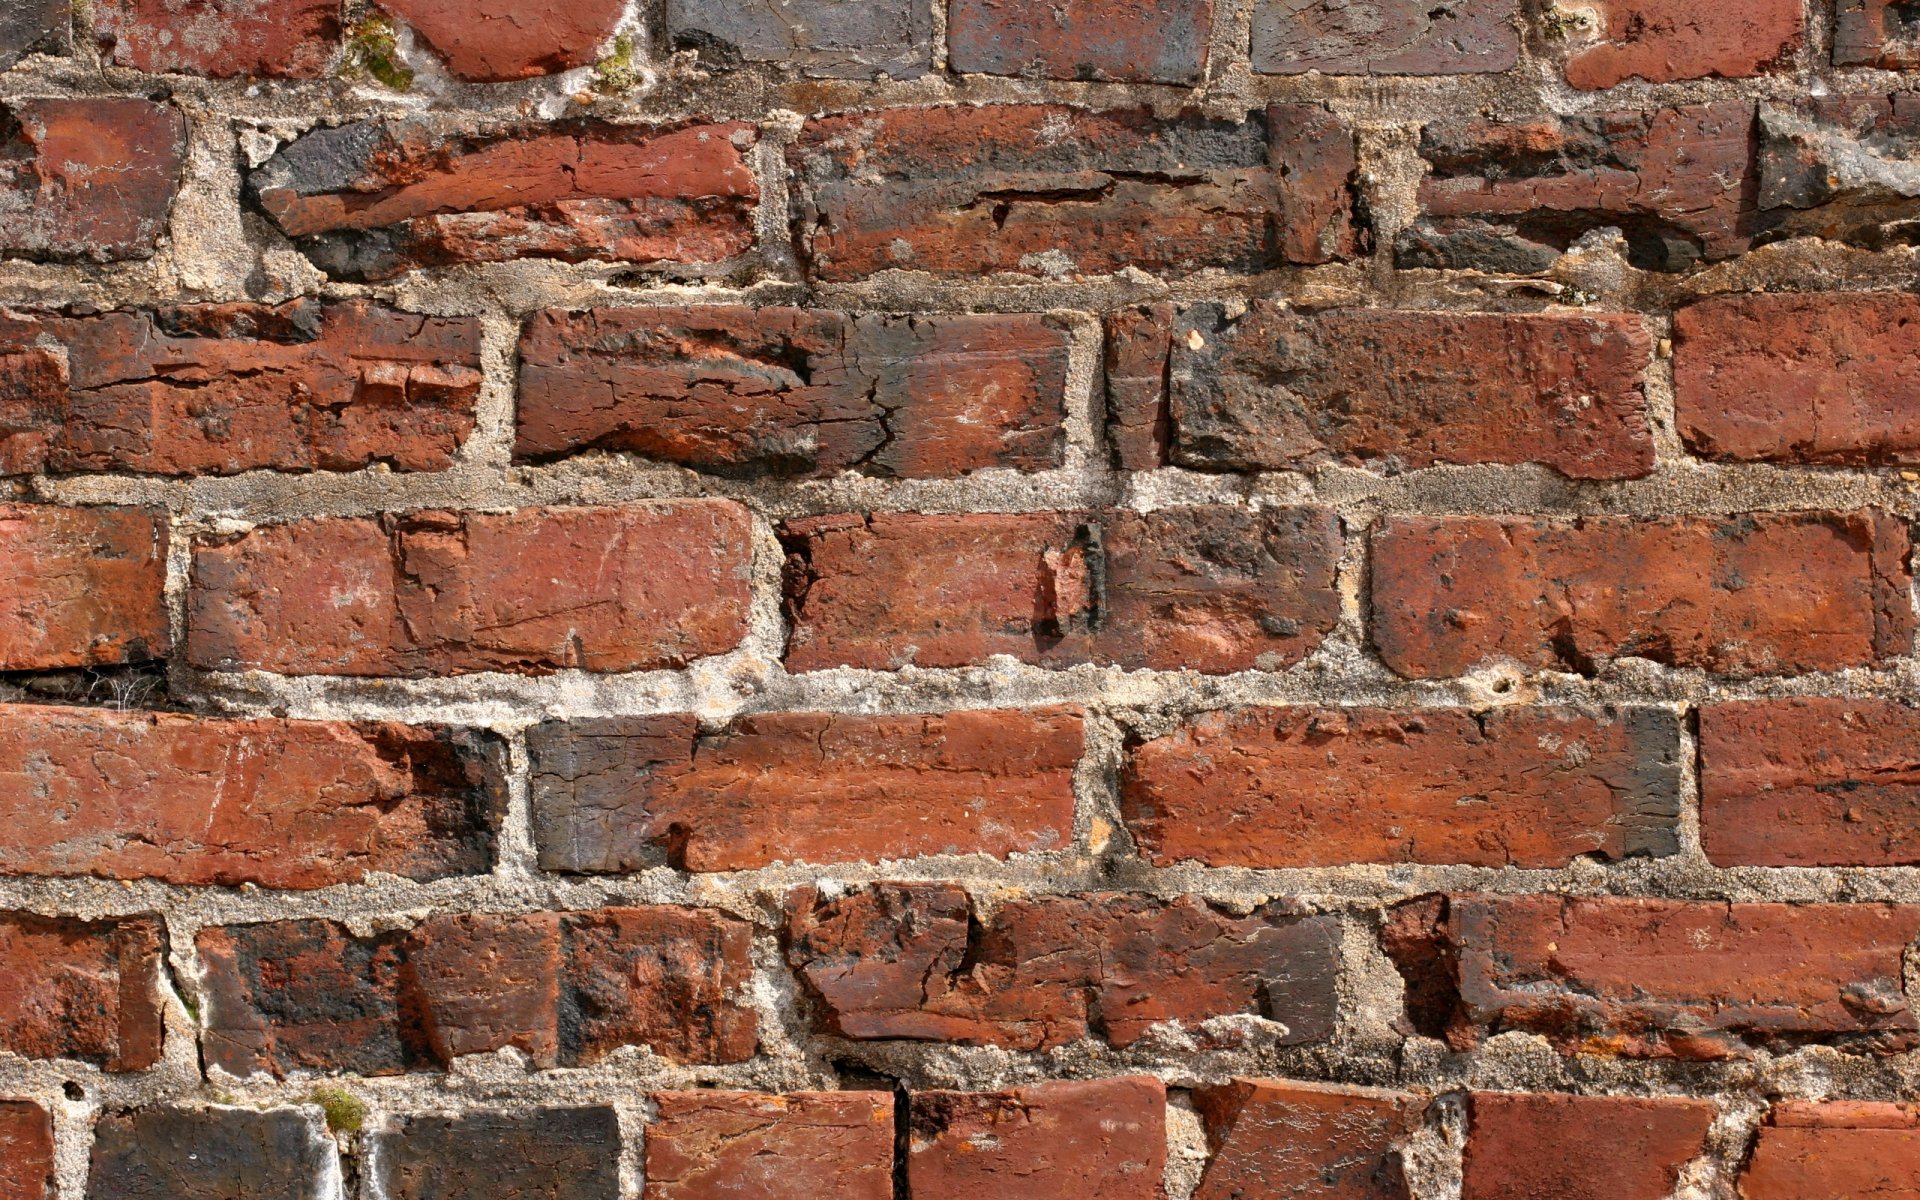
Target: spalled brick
{"x": 1643, "y": 978}
{"x": 1127, "y": 41}
{"x": 822, "y": 38}
{"x": 493, "y": 981}
{"x": 912, "y": 961}
{"x": 1384, "y": 37}
{"x": 220, "y": 389}
{"x": 1876, "y": 33}
{"x": 1522, "y": 1147}
{"x": 1661, "y": 41}
{"x": 87, "y": 990}
{"x": 288, "y": 39}
{"x": 26, "y": 1152}
{"x": 671, "y": 978}
{"x": 191, "y": 800}
{"x": 538, "y": 1154}
{"x": 1749, "y": 595}
{"x": 1839, "y": 1149}
{"x": 622, "y": 793}
{"x": 709, "y": 1145}
{"x": 1315, "y": 787}
{"x": 624, "y": 588}
{"x": 1102, "y": 1140}
{"x": 1207, "y": 588}
{"x": 212, "y": 1154}
{"x": 496, "y": 41}
{"x": 745, "y": 391}
{"x": 85, "y": 586}
{"x": 89, "y": 179}
{"x": 1840, "y": 168}
{"x": 30, "y": 26}
{"x": 372, "y": 200}
{"x": 1049, "y": 190}
{"x": 1272, "y": 1138}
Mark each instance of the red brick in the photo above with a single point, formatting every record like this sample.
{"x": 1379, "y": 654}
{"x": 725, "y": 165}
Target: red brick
{"x": 1875, "y": 33}
{"x": 1318, "y": 787}
{"x": 220, "y": 389}
{"x": 1275, "y": 1138}
{"x": 1747, "y": 595}
{"x": 1384, "y": 37}
{"x": 710, "y": 1145}
{"x": 1656, "y": 978}
{"x": 1549, "y": 1147}
{"x": 1129, "y": 41}
{"x": 87, "y": 990}
{"x": 88, "y": 178}
{"x": 1042, "y": 189}
{"x": 26, "y": 1152}
{"x": 621, "y": 793}
{"x": 192, "y": 800}
{"x": 1839, "y": 1149}
{"x": 373, "y": 200}
{"x": 1661, "y": 41}
{"x": 784, "y": 391}
{"x": 611, "y": 589}
{"x": 1208, "y": 588}
{"x": 289, "y": 39}
{"x": 1139, "y": 354}
{"x": 671, "y": 978}
{"x": 492, "y": 981}
{"x": 493, "y": 41}
{"x": 85, "y": 586}
{"x": 1828, "y": 378}
{"x": 912, "y": 961}
{"x": 1100, "y": 1140}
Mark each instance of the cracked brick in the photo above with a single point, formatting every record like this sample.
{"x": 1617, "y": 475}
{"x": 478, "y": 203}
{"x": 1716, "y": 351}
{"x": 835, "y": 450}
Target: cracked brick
{"x": 1843, "y": 1148}
{"x": 1663, "y": 41}
{"x": 717, "y": 1145}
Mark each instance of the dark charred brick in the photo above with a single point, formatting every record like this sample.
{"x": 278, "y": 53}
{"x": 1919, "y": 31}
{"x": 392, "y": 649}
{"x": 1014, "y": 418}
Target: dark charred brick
{"x": 1128, "y": 41}
{"x": 1662, "y": 41}
{"x": 86, "y": 587}
{"x": 1841, "y": 168}
{"x": 26, "y": 1152}
{"x": 89, "y": 179}
{"x": 1629, "y": 1147}
{"x": 1273, "y": 1138}
{"x": 495, "y": 41}
{"x": 86, "y": 990}
{"x": 709, "y": 1145}
{"x": 817, "y": 37}
{"x": 290, "y": 39}
{"x": 212, "y": 1154}
{"x": 1384, "y": 37}
{"x": 33, "y": 26}
{"x": 1846, "y": 1148}
{"x": 1104, "y": 1139}
{"x": 538, "y": 1154}
{"x": 1876, "y": 33}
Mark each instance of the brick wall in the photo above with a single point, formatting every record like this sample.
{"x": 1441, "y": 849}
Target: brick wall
{"x": 786, "y": 598}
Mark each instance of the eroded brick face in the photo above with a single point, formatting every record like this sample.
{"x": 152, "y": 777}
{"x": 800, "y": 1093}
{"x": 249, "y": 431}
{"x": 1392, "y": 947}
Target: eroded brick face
{"x": 86, "y": 990}
{"x": 88, "y": 180}
{"x": 1384, "y": 37}
{"x": 1661, "y": 41}
{"x": 1271, "y": 1137}
{"x": 1122, "y": 40}
{"x": 1839, "y": 1149}
{"x": 210, "y": 1154}
{"x": 289, "y": 39}
{"x": 1104, "y": 1139}
{"x": 557, "y": 1153}
{"x": 708, "y": 1145}
{"x": 26, "y": 1151}
{"x": 487, "y": 41}
{"x": 86, "y": 586}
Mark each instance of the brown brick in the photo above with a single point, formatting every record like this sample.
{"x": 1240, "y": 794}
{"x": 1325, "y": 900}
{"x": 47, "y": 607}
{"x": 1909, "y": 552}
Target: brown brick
{"x": 87, "y": 178}
{"x": 610, "y": 589}
{"x": 1875, "y": 33}
{"x": 1129, "y": 41}
{"x": 535, "y": 1154}
{"x": 212, "y": 1154}
{"x": 1100, "y": 1140}
{"x": 1532, "y": 1147}
{"x": 289, "y": 39}
{"x": 1048, "y": 190}
{"x": 1318, "y": 787}
{"x": 820, "y": 38}
{"x": 88, "y": 990}
{"x": 783, "y": 391}
{"x": 85, "y": 586}
{"x": 26, "y": 1152}
{"x": 224, "y": 388}
{"x": 911, "y": 961}
{"x": 1747, "y": 595}
{"x": 1384, "y": 37}
{"x": 709, "y": 1145}
{"x": 1840, "y": 1149}
{"x": 1661, "y": 41}
{"x": 494, "y": 41}
{"x": 624, "y": 793}
{"x": 1656, "y": 978}
{"x": 1209, "y": 588}
{"x": 1273, "y": 1138}
{"x": 372, "y": 200}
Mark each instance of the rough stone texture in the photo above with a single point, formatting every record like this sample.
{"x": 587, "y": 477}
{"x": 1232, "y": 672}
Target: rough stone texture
{"x": 1841, "y": 167}
{"x": 85, "y": 586}
{"x": 824, "y": 38}
{"x": 1876, "y": 33}
{"x": 1756, "y": 594}
{"x": 1661, "y": 41}
{"x": 209, "y": 1154}
{"x": 493, "y": 41}
{"x": 710, "y": 1145}
{"x": 1206, "y": 588}
{"x": 1645, "y": 978}
{"x": 608, "y": 589}
{"x": 86, "y": 990}
{"x": 30, "y": 26}
{"x": 286, "y": 39}
{"x": 1102, "y": 1140}
{"x": 1384, "y": 37}
{"x": 26, "y": 1152}
{"x": 373, "y": 200}
{"x": 220, "y": 389}
{"x": 1281, "y": 1140}
{"x": 540, "y": 1154}
{"x": 1314, "y": 787}
{"x": 1842, "y": 1149}
{"x": 620, "y": 794}
{"x": 913, "y": 961}
{"x": 88, "y": 179}
{"x": 1049, "y": 190}
{"x": 1532, "y": 1147}
{"x": 754, "y": 392}
{"x": 1137, "y": 41}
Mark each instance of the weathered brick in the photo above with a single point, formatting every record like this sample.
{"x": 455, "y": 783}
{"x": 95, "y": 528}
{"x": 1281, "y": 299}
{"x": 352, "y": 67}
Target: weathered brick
{"x": 1274, "y": 389}
{"x": 1273, "y": 1138}
{"x": 87, "y": 990}
{"x": 658, "y": 976}
{"x": 1656, "y": 978}
{"x": 746, "y": 391}
{"x": 87, "y": 178}
{"x": 372, "y": 200}
{"x": 821, "y": 38}
{"x": 1102, "y": 1140}
{"x": 1746, "y": 595}
{"x": 1531, "y": 1147}
{"x": 1048, "y": 190}
{"x": 1876, "y": 33}
{"x": 1128, "y": 41}
{"x": 912, "y": 961}
{"x": 1315, "y": 787}
{"x": 1384, "y": 37}
{"x": 1840, "y": 1149}
{"x": 85, "y": 586}
{"x": 494, "y": 41}
{"x": 709, "y": 1145}
{"x": 289, "y": 39}
{"x": 220, "y": 389}
{"x": 493, "y": 981}
{"x": 1138, "y": 356}
{"x": 1661, "y": 41}
{"x": 26, "y": 1152}
{"x": 624, "y": 793}
{"x": 212, "y": 1154}
{"x": 1208, "y": 588}
{"x": 33, "y": 26}
{"x": 605, "y": 589}
{"x": 1840, "y": 168}
{"x": 537, "y": 1154}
